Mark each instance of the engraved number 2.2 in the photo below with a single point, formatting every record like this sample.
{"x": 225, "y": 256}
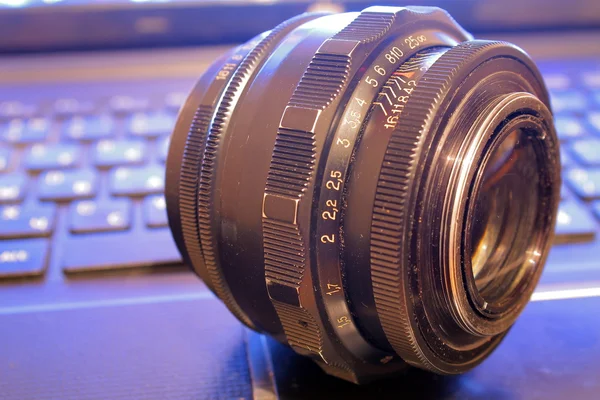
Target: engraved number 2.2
{"x": 331, "y": 185}
{"x": 329, "y": 215}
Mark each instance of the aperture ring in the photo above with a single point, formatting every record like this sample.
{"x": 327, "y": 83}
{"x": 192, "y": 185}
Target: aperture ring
{"x": 292, "y": 166}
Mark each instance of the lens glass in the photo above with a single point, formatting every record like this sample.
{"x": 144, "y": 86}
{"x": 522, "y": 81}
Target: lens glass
{"x": 505, "y": 210}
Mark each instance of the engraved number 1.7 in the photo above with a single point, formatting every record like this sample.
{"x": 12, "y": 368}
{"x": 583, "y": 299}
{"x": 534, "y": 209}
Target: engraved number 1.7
{"x": 333, "y": 289}
{"x": 343, "y": 321}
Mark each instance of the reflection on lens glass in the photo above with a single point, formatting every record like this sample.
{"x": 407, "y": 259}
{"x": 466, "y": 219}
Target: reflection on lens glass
{"x": 505, "y": 208}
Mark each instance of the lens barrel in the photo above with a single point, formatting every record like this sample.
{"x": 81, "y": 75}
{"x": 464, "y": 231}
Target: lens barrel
{"x": 373, "y": 189}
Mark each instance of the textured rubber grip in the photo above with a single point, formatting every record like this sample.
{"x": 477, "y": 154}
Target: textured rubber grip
{"x": 292, "y": 167}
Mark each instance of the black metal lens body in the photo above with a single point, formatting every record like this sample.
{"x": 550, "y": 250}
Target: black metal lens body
{"x": 372, "y": 189}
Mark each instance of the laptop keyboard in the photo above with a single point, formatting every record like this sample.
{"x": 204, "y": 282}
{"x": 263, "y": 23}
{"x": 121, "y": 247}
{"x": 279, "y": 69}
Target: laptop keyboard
{"x": 99, "y": 163}
{"x": 576, "y": 104}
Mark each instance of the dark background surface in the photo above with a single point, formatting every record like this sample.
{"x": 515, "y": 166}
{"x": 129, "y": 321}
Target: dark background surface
{"x": 190, "y": 347}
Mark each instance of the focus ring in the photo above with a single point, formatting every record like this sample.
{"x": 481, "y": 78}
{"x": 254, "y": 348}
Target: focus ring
{"x": 395, "y": 183}
{"x": 292, "y": 166}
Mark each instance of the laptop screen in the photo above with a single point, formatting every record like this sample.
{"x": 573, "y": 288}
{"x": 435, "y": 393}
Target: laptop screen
{"x": 32, "y": 25}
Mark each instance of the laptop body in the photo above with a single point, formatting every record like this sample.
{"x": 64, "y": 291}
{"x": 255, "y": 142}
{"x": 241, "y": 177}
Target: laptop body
{"x": 94, "y": 301}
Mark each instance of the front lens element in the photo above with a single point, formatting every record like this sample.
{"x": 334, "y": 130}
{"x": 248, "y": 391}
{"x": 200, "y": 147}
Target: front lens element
{"x": 505, "y": 208}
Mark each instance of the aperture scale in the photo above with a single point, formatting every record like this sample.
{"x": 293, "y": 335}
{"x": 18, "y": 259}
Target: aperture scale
{"x": 316, "y": 213}
{"x": 329, "y": 212}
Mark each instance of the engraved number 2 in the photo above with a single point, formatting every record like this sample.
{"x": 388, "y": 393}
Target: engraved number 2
{"x": 328, "y": 238}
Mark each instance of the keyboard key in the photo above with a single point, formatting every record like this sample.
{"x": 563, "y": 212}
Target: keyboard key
{"x": 596, "y": 207}
{"x": 27, "y": 221}
{"x": 67, "y": 185}
{"x": 16, "y": 109}
{"x": 569, "y": 127}
{"x": 594, "y": 120}
{"x": 568, "y": 100}
{"x": 175, "y": 100}
{"x": 12, "y": 188}
{"x": 565, "y": 193}
{"x": 69, "y": 106}
{"x": 151, "y": 124}
{"x": 584, "y": 182}
{"x": 25, "y": 131}
{"x": 163, "y": 148}
{"x": 591, "y": 79}
{"x": 41, "y": 156}
{"x": 557, "y": 81}
{"x": 596, "y": 97}
{"x": 565, "y": 159}
{"x": 19, "y": 258}
{"x": 128, "y": 104}
{"x": 87, "y": 216}
{"x": 587, "y": 151}
{"x": 4, "y": 159}
{"x": 109, "y": 153}
{"x": 574, "y": 223}
{"x": 137, "y": 181}
{"x": 92, "y": 127}
{"x": 119, "y": 250}
{"x": 155, "y": 211}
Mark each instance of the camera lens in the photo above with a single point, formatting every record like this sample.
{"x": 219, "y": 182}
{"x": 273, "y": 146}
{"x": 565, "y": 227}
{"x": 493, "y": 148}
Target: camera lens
{"x": 502, "y": 222}
{"x": 373, "y": 189}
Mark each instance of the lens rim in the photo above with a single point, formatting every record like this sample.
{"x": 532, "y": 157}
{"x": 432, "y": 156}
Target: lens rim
{"x": 514, "y": 110}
